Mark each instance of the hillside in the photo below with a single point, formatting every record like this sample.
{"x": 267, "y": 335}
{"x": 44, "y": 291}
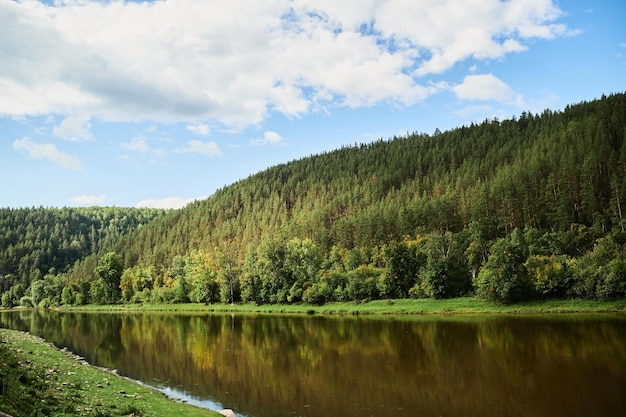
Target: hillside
{"x": 545, "y": 171}
{"x": 513, "y": 209}
{"x": 35, "y": 241}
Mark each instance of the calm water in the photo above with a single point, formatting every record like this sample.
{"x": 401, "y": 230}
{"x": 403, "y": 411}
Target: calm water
{"x": 263, "y": 366}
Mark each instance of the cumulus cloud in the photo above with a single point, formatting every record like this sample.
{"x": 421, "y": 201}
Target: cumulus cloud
{"x": 88, "y": 200}
{"x": 487, "y": 87}
{"x": 141, "y": 145}
{"x": 166, "y": 203}
{"x": 199, "y": 129}
{"x": 203, "y": 148}
{"x": 74, "y": 128}
{"x": 48, "y": 152}
{"x": 237, "y": 62}
{"x": 137, "y": 144}
{"x": 269, "y": 138}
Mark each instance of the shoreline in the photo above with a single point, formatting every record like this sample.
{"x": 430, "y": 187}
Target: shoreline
{"x": 401, "y": 307}
{"x": 45, "y": 380}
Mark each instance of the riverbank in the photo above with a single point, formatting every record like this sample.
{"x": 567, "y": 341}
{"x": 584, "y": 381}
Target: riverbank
{"x": 36, "y": 378}
{"x": 464, "y": 305}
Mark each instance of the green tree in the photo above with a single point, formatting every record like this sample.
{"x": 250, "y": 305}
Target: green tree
{"x": 477, "y": 249}
{"x": 82, "y": 293}
{"x": 302, "y": 261}
{"x": 11, "y": 298}
{"x": 228, "y": 276}
{"x": 250, "y": 281}
{"x": 270, "y": 267}
{"x": 202, "y": 278}
{"x": 37, "y": 291}
{"x": 613, "y": 284}
{"x": 127, "y": 283}
{"x": 504, "y": 277}
{"x": 181, "y": 290}
{"x": 67, "y": 296}
{"x": 363, "y": 283}
{"x": 98, "y": 292}
{"x": 404, "y": 261}
{"x": 109, "y": 270}
{"x": 549, "y": 275}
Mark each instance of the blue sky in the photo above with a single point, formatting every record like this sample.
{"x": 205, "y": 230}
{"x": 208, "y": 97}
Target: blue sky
{"x": 158, "y": 103}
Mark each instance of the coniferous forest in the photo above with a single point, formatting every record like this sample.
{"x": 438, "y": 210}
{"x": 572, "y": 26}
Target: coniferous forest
{"x": 508, "y": 210}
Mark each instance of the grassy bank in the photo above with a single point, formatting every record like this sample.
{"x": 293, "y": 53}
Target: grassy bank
{"x": 465, "y": 305}
{"x": 37, "y": 379}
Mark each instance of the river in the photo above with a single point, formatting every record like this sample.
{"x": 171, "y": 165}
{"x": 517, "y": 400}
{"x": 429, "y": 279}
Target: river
{"x": 314, "y": 366}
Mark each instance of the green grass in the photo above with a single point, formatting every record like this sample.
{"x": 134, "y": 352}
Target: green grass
{"x": 463, "y": 305}
{"x": 37, "y": 379}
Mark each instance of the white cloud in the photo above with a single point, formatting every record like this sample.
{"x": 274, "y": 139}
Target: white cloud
{"x": 269, "y": 138}
{"x": 137, "y": 144}
{"x": 236, "y": 62}
{"x": 89, "y": 199}
{"x": 199, "y": 129}
{"x": 47, "y": 151}
{"x": 487, "y": 87}
{"x": 204, "y": 148}
{"x": 140, "y": 144}
{"x": 74, "y": 128}
{"x": 167, "y": 203}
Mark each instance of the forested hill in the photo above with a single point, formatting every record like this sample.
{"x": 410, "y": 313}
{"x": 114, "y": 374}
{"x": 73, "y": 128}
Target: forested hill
{"x": 545, "y": 171}
{"x": 34, "y": 241}
{"x": 508, "y": 210}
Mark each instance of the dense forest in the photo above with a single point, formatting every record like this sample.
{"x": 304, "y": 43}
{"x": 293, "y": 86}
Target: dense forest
{"x": 39, "y": 241}
{"x": 529, "y": 207}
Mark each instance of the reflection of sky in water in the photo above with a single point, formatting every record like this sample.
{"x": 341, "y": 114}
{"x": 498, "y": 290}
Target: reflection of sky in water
{"x": 179, "y": 395}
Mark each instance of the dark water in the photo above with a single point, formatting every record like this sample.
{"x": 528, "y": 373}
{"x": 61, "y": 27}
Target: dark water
{"x": 319, "y": 366}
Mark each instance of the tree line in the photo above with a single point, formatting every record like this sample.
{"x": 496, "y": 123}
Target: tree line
{"x": 509, "y": 210}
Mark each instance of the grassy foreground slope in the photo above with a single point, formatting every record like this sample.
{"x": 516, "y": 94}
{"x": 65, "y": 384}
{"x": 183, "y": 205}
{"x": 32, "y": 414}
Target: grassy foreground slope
{"x": 37, "y": 379}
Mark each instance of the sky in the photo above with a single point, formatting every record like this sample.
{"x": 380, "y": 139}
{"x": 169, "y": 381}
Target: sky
{"x": 159, "y": 103}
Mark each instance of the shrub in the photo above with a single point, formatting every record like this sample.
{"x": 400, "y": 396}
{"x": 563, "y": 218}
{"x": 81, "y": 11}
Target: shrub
{"x": 549, "y": 275}
{"x": 27, "y": 301}
{"x": 363, "y": 283}
{"x": 504, "y": 278}
{"x": 613, "y": 283}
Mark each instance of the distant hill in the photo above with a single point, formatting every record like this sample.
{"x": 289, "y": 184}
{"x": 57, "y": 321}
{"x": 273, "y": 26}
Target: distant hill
{"x": 34, "y": 241}
{"x": 511, "y": 209}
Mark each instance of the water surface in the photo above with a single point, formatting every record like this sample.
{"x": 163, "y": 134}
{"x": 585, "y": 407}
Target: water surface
{"x": 314, "y": 366}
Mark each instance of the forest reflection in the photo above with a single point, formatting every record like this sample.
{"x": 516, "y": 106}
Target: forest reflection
{"x": 323, "y": 366}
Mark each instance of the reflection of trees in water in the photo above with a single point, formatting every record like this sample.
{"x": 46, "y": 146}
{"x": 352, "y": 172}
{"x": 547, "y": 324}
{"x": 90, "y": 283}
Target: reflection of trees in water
{"x": 268, "y": 365}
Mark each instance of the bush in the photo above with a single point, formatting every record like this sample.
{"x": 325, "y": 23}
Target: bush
{"x": 600, "y": 273}
{"x": 67, "y": 296}
{"x": 144, "y": 296}
{"x": 318, "y": 293}
{"x": 45, "y": 303}
{"x": 550, "y": 275}
{"x": 504, "y": 278}
{"x": 434, "y": 279}
{"x": 363, "y": 283}
{"x": 163, "y": 295}
{"x": 613, "y": 284}
{"x": 11, "y": 298}
{"x": 27, "y": 301}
